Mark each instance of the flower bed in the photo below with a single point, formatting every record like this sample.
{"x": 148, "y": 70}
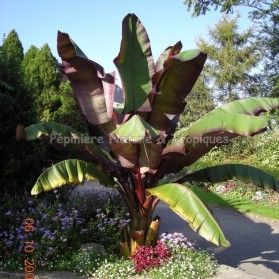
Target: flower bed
{"x": 61, "y": 227}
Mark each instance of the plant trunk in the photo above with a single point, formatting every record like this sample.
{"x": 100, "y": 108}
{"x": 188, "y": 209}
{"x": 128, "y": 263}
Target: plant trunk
{"x": 141, "y": 231}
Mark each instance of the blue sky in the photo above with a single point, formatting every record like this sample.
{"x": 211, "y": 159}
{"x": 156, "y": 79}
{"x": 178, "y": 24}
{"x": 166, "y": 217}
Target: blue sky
{"x": 95, "y": 26}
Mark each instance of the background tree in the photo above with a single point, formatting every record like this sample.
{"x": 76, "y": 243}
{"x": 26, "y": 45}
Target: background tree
{"x": 12, "y": 55}
{"x": 17, "y": 167}
{"x": 53, "y": 100}
{"x": 265, "y": 16}
{"x": 30, "y": 90}
{"x": 270, "y": 38}
{"x": 201, "y": 7}
{"x": 233, "y": 57}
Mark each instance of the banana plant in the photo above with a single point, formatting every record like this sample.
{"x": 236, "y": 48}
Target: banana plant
{"x": 128, "y": 146}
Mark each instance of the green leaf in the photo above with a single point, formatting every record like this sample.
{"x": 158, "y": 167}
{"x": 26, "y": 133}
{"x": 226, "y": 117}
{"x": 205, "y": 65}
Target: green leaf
{"x": 63, "y": 137}
{"x": 135, "y": 64}
{"x": 233, "y": 123}
{"x": 133, "y": 143}
{"x": 88, "y": 81}
{"x": 250, "y": 106}
{"x": 190, "y": 208}
{"x": 69, "y": 172}
{"x": 206, "y": 133}
{"x": 222, "y": 173}
{"x": 134, "y": 130}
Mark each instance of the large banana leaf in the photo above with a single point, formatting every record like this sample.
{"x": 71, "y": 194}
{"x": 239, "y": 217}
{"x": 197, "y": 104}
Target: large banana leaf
{"x": 87, "y": 79}
{"x": 233, "y": 123}
{"x": 69, "y": 172}
{"x": 212, "y": 131}
{"x": 63, "y": 137}
{"x": 226, "y": 172}
{"x": 135, "y": 64}
{"x": 202, "y": 136}
{"x": 177, "y": 80}
{"x": 250, "y": 106}
{"x": 189, "y": 207}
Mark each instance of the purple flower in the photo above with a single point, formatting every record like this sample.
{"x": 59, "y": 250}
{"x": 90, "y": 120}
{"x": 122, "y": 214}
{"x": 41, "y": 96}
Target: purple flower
{"x": 74, "y": 211}
{"x": 20, "y": 248}
{"x": 9, "y": 243}
{"x": 8, "y": 213}
{"x": 44, "y": 216}
{"x": 20, "y": 236}
{"x": 176, "y": 240}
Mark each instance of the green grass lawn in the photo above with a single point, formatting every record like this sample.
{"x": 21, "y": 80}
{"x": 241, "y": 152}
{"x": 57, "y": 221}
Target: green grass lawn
{"x": 241, "y": 205}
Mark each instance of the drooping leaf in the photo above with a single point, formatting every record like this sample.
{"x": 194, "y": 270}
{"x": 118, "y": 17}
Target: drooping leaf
{"x": 87, "y": 79}
{"x": 189, "y": 207}
{"x": 177, "y": 80}
{"x": 69, "y": 172}
{"x": 222, "y": 173}
{"x": 203, "y": 135}
{"x": 250, "y": 106}
{"x": 63, "y": 137}
{"x": 215, "y": 130}
{"x": 135, "y": 64}
{"x": 234, "y": 123}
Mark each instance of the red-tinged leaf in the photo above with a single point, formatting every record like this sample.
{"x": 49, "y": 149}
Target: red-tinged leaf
{"x": 203, "y": 135}
{"x": 133, "y": 143}
{"x": 87, "y": 78}
{"x": 135, "y": 65}
{"x": 180, "y": 74}
{"x": 144, "y": 156}
{"x": 109, "y": 89}
{"x": 127, "y": 154}
{"x": 150, "y": 157}
{"x": 166, "y": 54}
